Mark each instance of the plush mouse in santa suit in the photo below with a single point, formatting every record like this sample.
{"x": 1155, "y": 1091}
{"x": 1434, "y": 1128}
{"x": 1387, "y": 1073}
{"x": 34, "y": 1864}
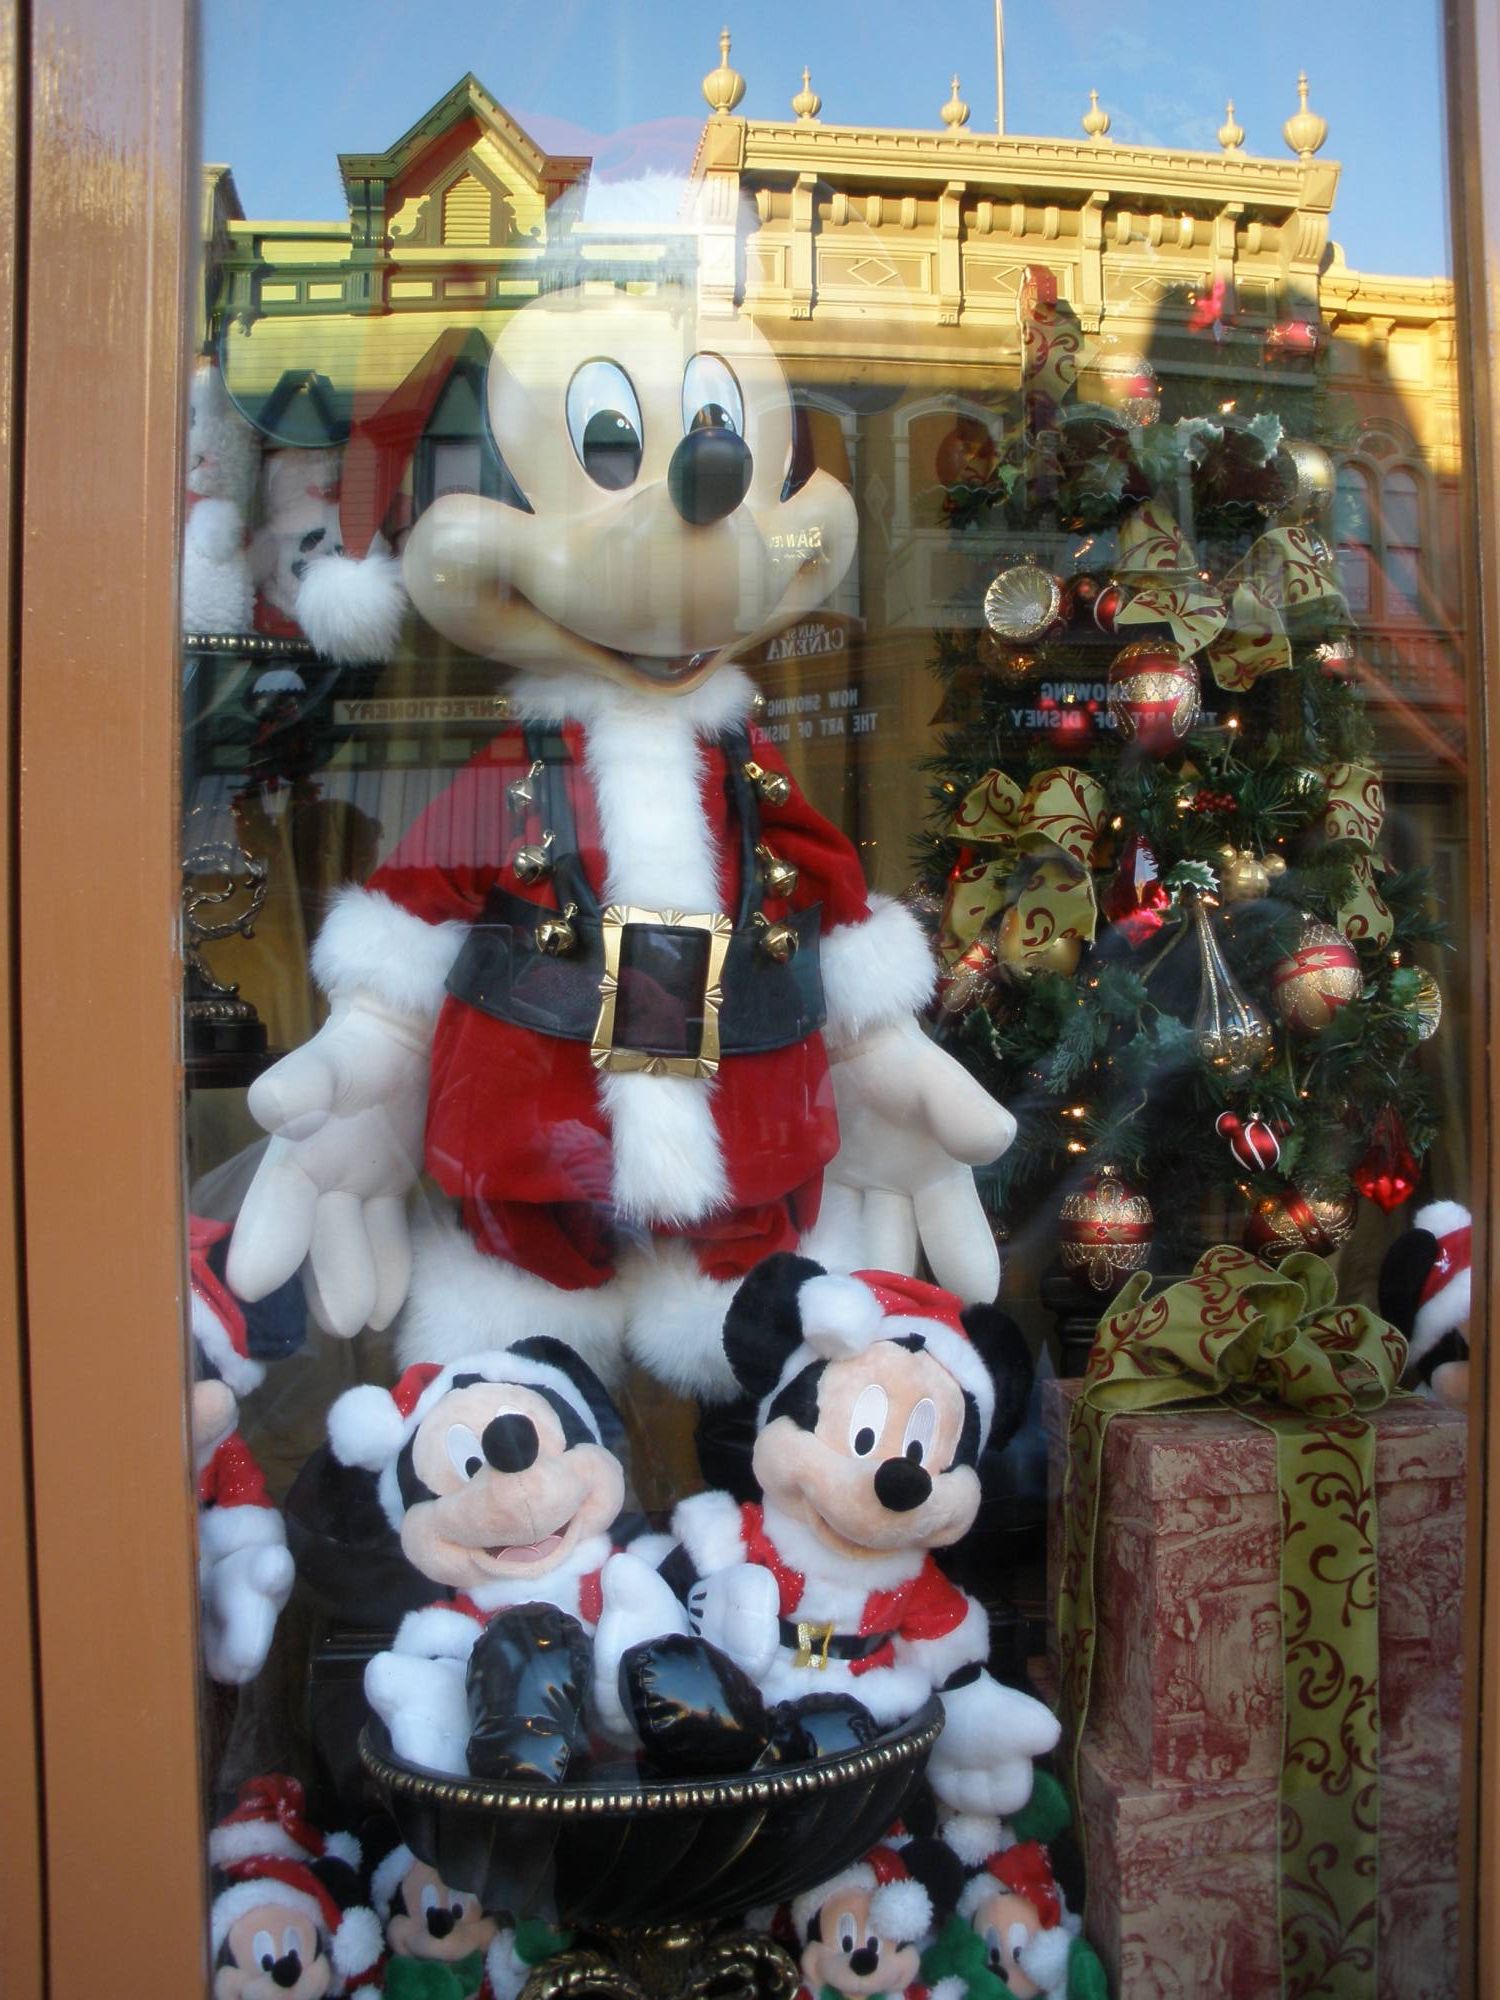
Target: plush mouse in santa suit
{"x": 877, "y": 1393}
{"x": 442, "y": 1945}
{"x": 623, "y": 990}
{"x": 245, "y": 1571}
{"x": 862, "y": 1932}
{"x": 1424, "y": 1290}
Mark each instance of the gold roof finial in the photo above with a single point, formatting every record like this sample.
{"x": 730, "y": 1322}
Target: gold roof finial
{"x": 723, "y": 87}
{"x": 807, "y": 103}
{"x": 955, "y": 112}
{"x": 1304, "y": 131}
{"x": 1095, "y": 121}
{"x": 1231, "y": 132}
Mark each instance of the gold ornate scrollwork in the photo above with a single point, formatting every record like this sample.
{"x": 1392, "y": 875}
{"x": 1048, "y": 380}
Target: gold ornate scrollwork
{"x": 667, "y": 1962}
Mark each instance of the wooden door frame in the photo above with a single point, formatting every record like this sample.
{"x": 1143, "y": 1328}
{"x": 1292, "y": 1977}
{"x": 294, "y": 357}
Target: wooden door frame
{"x": 110, "y": 228}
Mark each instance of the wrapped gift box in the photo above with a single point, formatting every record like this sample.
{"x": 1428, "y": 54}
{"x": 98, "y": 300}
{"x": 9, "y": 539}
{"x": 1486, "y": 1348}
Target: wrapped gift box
{"x": 1181, "y": 1758}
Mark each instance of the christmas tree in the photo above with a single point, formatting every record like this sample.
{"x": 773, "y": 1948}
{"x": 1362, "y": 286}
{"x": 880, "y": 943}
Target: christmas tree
{"x": 1171, "y": 942}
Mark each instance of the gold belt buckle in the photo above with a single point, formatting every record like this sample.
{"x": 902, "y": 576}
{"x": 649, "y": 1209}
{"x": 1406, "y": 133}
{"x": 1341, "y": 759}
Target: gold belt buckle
{"x": 807, "y": 1636}
{"x": 602, "y": 1051}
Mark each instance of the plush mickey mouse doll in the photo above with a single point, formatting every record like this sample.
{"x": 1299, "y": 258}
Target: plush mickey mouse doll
{"x": 442, "y": 1945}
{"x": 287, "y": 1922}
{"x": 502, "y": 1476}
{"x": 1424, "y": 1290}
{"x": 877, "y": 1395}
{"x": 861, "y": 1933}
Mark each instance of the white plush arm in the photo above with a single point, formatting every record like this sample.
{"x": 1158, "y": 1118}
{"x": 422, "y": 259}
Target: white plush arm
{"x": 639, "y": 1604}
{"x": 982, "y": 1761}
{"x": 425, "y": 1706}
{"x": 912, "y": 1125}
{"x": 739, "y": 1610}
{"x": 245, "y": 1576}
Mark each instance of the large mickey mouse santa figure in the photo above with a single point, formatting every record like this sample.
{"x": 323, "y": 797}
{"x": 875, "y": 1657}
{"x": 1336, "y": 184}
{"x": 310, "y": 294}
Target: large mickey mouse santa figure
{"x": 631, "y": 987}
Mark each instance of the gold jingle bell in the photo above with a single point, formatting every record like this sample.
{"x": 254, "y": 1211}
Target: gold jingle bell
{"x": 780, "y": 877}
{"x": 1246, "y": 875}
{"x": 555, "y": 935}
{"x": 533, "y": 863}
{"x": 775, "y": 787}
{"x": 521, "y": 792}
{"x": 778, "y": 941}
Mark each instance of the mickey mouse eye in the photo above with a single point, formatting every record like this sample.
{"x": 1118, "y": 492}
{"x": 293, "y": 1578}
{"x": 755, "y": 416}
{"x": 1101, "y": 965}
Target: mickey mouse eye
{"x": 867, "y": 1419}
{"x": 711, "y": 398}
{"x": 466, "y": 1456}
{"x": 604, "y": 422}
{"x": 429, "y": 1893}
{"x": 846, "y": 1938}
{"x": 1018, "y": 1937}
{"x": 263, "y": 1950}
{"x": 291, "y": 1943}
{"x": 916, "y": 1441}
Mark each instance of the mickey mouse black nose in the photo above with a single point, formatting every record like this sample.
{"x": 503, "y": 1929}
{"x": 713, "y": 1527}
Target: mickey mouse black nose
{"x": 440, "y": 1922}
{"x": 901, "y": 1484}
{"x": 864, "y": 1961}
{"x": 287, "y": 1971}
{"x": 510, "y": 1443}
{"x": 709, "y": 475}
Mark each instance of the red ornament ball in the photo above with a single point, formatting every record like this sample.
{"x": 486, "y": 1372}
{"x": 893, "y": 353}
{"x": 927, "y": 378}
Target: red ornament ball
{"x": 1105, "y": 1230}
{"x": 1387, "y": 1175}
{"x": 1299, "y": 1219}
{"x": 1311, "y": 984}
{"x": 1252, "y": 1141}
{"x": 1154, "y": 697}
{"x": 1108, "y": 604}
{"x": 967, "y": 455}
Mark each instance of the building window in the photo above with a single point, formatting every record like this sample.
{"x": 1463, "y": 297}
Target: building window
{"x": 1356, "y": 526}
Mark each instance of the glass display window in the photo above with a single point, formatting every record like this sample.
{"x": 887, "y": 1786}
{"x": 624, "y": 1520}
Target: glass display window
{"x": 823, "y": 782}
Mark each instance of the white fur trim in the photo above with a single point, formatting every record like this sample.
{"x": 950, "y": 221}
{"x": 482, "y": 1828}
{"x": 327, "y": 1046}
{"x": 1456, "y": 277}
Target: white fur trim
{"x": 368, "y": 944}
{"x": 876, "y": 971}
{"x": 222, "y": 1530}
{"x": 506, "y": 1971}
{"x": 709, "y": 1527}
{"x": 1443, "y": 1313}
{"x": 365, "y": 1428}
{"x": 952, "y": 1988}
{"x": 1046, "y": 1959}
{"x": 351, "y": 608}
{"x": 806, "y": 1906}
{"x": 800, "y": 1547}
{"x": 973, "y": 1837}
{"x": 978, "y": 1889}
{"x": 463, "y": 1302}
{"x": 668, "y": 1160}
{"x": 724, "y": 699}
{"x": 839, "y": 1316}
{"x": 358, "y": 1942}
{"x": 238, "y": 1370}
{"x": 436, "y": 1633}
{"x": 387, "y": 1879}
{"x": 343, "y": 1847}
{"x": 1441, "y": 1218}
{"x": 233, "y": 1903}
{"x": 901, "y": 1912}
{"x": 962, "y": 1647}
{"x": 250, "y": 1839}
{"x": 674, "y": 1320}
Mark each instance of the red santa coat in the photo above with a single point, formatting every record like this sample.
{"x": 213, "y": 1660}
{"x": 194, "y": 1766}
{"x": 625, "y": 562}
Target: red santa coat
{"x": 544, "y": 1154}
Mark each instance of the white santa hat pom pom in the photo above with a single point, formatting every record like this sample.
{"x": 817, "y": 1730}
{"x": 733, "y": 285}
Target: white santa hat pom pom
{"x": 901, "y": 1912}
{"x": 953, "y": 1987}
{"x": 839, "y": 1315}
{"x": 352, "y": 610}
{"x": 365, "y": 1427}
{"x": 343, "y": 1847}
{"x": 973, "y": 1837}
{"x": 358, "y": 1942}
{"x": 1045, "y": 1959}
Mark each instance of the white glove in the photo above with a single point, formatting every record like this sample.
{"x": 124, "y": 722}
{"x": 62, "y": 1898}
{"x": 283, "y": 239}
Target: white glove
{"x": 425, "y": 1706}
{"x": 346, "y": 1115}
{"x": 638, "y": 1604}
{"x": 242, "y": 1595}
{"x": 912, "y": 1125}
{"x": 739, "y": 1610}
{"x": 982, "y": 1761}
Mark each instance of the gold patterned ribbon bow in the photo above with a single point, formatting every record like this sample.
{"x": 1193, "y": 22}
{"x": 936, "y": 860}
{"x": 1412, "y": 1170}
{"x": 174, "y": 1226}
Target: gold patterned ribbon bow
{"x": 1157, "y": 564}
{"x": 1057, "y": 818}
{"x": 1356, "y": 812}
{"x": 1276, "y": 1347}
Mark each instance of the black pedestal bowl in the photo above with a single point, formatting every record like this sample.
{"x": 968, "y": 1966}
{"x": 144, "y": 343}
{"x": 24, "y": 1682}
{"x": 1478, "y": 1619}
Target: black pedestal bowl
{"x": 615, "y": 1855}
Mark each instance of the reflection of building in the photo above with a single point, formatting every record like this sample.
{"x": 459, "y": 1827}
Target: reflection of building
{"x": 886, "y": 268}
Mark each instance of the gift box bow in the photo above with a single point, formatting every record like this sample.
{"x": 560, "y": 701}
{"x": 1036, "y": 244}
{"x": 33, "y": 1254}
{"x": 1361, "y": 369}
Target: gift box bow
{"x": 1057, "y": 819}
{"x": 1240, "y": 1332}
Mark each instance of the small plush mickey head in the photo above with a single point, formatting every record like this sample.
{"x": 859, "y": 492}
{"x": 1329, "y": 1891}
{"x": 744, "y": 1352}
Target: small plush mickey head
{"x": 861, "y": 1932}
{"x": 877, "y": 1395}
{"x": 1013, "y": 1906}
{"x": 423, "y": 1916}
{"x": 282, "y": 1930}
{"x": 494, "y": 1466}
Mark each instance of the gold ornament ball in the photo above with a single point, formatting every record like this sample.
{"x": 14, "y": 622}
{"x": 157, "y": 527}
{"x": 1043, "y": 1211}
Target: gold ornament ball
{"x": 1245, "y": 879}
{"x": 1428, "y": 1004}
{"x": 1104, "y": 1231}
{"x": 1022, "y": 602}
{"x": 1312, "y": 480}
{"x": 1154, "y": 696}
{"x": 1317, "y": 1219}
{"x": 1318, "y": 978}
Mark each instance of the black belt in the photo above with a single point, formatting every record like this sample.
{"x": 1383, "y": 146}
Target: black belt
{"x": 816, "y": 1644}
{"x": 766, "y": 1004}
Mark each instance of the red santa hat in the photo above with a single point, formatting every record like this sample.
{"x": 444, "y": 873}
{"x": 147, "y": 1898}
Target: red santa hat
{"x": 369, "y": 1426}
{"x": 841, "y": 1317}
{"x": 351, "y": 1934}
{"x": 218, "y": 1323}
{"x": 900, "y": 1908}
{"x": 270, "y": 1822}
{"x": 1425, "y": 1278}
